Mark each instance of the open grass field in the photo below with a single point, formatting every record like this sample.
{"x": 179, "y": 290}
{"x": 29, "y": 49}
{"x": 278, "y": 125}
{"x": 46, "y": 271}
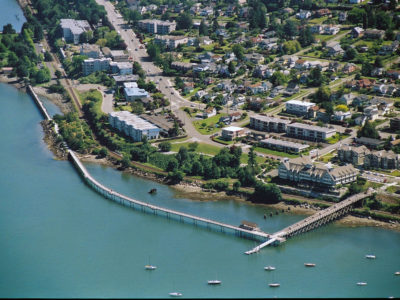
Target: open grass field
{"x": 207, "y": 126}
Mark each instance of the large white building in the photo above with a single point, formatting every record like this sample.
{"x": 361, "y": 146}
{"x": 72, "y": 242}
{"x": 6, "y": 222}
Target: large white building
{"x": 299, "y": 108}
{"x": 92, "y": 65}
{"x": 285, "y": 146}
{"x": 270, "y": 124}
{"x": 133, "y": 125}
{"x": 72, "y": 29}
{"x": 309, "y": 132}
{"x": 302, "y": 170}
{"x": 157, "y": 26}
{"x": 121, "y": 68}
{"x": 171, "y": 41}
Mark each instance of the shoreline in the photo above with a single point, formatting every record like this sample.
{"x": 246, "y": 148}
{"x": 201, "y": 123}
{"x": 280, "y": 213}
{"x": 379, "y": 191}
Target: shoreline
{"x": 183, "y": 190}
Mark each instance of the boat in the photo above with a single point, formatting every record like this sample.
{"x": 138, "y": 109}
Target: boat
{"x": 214, "y": 282}
{"x": 370, "y": 256}
{"x": 153, "y": 191}
{"x": 150, "y": 267}
{"x": 175, "y": 294}
{"x": 269, "y": 268}
{"x": 397, "y": 273}
{"x": 274, "y": 284}
{"x": 309, "y": 264}
{"x": 361, "y": 283}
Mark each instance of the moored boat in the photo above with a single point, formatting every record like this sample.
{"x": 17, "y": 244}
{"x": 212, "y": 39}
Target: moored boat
{"x": 214, "y": 282}
{"x": 370, "y": 256}
{"x": 153, "y": 191}
{"x": 150, "y": 267}
{"x": 397, "y": 273}
{"x": 275, "y": 284}
{"x": 269, "y": 268}
{"x": 175, "y": 294}
{"x": 361, "y": 283}
{"x": 309, "y": 264}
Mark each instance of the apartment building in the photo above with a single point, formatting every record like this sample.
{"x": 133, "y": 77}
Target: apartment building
{"x": 90, "y": 50}
{"x": 232, "y": 132}
{"x": 309, "y": 132}
{"x": 270, "y": 124}
{"x": 121, "y": 68}
{"x": 133, "y": 125}
{"x": 72, "y": 29}
{"x": 92, "y": 65}
{"x": 301, "y": 170}
{"x": 299, "y": 108}
{"x": 284, "y": 146}
{"x": 157, "y": 26}
{"x": 171, "y": 41}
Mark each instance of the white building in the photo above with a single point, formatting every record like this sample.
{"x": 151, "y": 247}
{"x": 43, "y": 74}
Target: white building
{"x": 133, "y": 125}
{"x": 270, "y": 124}
{"x": 303, "y": 171}
{"x": 157, "y": 26}
{"x": 171, "y": 41}
{"x": 72, "y": 29}
{"x": 299, "y": 108}
{"x": 232, "y": 132}
{"x": 285, "y": 146}
{"x": 309, "y": 132}
{"x": 122, "y": 68}
{"x": 92, "y": 65}
{"x": 132, "y": 92}
{"x": 90, "y": 50}
{"x": 119, "y": 55}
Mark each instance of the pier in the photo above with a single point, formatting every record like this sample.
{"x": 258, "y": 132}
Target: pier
{"x": 316, "y": 220}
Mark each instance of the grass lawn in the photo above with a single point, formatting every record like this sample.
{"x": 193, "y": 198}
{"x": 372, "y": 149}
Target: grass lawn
{"x": 192, "y": 93}
{"x": 245, "y": 158}
{"x": 222, "y": 141}
{"x": 210, "y": 123}
{"x": 323, "y": 37}
{"x": 274, "y": 152}
{"x": 393, "y": 189}
{"x": 201, "y": 148}
{"x": 336, "y": 138}
{"x": 327, "y": 157}
{"x": 318, "y": 20}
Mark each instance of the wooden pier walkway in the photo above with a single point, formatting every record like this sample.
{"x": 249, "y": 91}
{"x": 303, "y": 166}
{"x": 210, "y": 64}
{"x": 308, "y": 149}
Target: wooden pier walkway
{"x": 318, "y": 219}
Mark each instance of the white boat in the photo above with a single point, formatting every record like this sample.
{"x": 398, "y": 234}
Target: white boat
{"x": 361, "y": 283}
{"x": 175, "y": 294}
{"x": 214, "y": 282}
{"x": 274, "y": 284}
{"x": 370, "y": 256}
{"x": 309, "y": 264}
{"x": 150, "y": 267}
{"x": 269, "y": 268}
{"x": 397, "y": 273}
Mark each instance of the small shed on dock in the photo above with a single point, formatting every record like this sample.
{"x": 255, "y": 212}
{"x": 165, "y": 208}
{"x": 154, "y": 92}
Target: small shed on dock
{"x": 249, "y": 226}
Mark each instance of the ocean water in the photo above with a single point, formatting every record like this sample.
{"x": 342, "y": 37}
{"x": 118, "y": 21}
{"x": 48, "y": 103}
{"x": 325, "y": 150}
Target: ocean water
{"x": 10, "y": 12}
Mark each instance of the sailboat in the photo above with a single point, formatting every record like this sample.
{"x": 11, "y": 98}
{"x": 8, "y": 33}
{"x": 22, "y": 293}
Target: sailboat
{"x": 370, "y": 256}
{"x": 361, "y": 283}
{"x": 274, "y": 283}
{"x": 150, "y": 266}
{"x": 175, "y": 294}
{"x": 214, "y": 282}
{"x": 269, "y": 268}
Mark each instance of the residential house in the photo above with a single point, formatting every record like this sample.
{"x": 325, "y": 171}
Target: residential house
{"x": 395, "y": 74}
{"x": 349, "y": 68}
{"x": 377, "y": 72}
{"x": 389, "y": 49}
{"x": 369, "y": 142}
{"x": 353, "y": 155}
{"x": 371, "y": 112}
{"x": 303, "y": 171}
{"x": 334, "y": 66}
{"x": 335, "y": 49}
{"x": 135, "y": 93}
{"x": 361, "y": 100}
{"x": 259, "y": 87}
{"x": 317, "y": 29}
{"x": 382, "y": 160}
{"x": 188, "y": 87}
{"x": 322, "y": 12}
{"x": 354, "y": 1}
{"x": 331, "y": 30}
{"x": 384, "y": 105}
{"x": 291, "y": 89}
{"x": 303, "y": 14}
{"x": 341, "y": 116}
{"x": 395, "y": 124}
{"x": 255, "y": 58}
{"x": 177, "y": 65}
{"x": 374, "y": 34}
{"x": 357, "y": 32}
{"x": 209, "y": 112}
{"x": 342, "y": 16}
{"x": 380, "y": 89}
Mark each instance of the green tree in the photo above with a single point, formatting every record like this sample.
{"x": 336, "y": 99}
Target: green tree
{"x": 368, "y": 130}
{"x": 164, "y": 146}
{"x": 8, "y": 29}
{"x": 203, "y": 29}
{"x": 193, "y": 146}
{"x": 266, "y": 193}
{"x": 239, "y": 51}
{"x": 290, "y": 28}
{"x": 184, "y": 21}
{"x": 176, "y": 176}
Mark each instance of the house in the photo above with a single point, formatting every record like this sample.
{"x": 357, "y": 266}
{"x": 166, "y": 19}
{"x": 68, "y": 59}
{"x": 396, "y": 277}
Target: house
{"x": 349, "y": 68}
{"x": 382, "y": 160}
{"x": 380, "y": 88}
{"x": 72, "y": 29}
{"x": 342, "y": 16}
{"x": 133, "y": 93}
{"x": 334, "y": 66}
{"x": 299, "y": 108}
{"x": 335, "y": 49}
{"x": 291, "y": 89}
{"x": 317, "y": 29}
{"x": 209, "y": 112}
{"x": 357, "y": 32}
{"x": 374, "y": 34}
{"x": 177, "y": 65}
{"x": 7, "y": 70}
{"x": 322, "y": 12}
{"x": 188, "y": 87}
{"x": 395, "y": 74}
{"x": 259, "y": 87}
{"x": 361, "y": 100}
{"x": 341, "y": 116}
{"x": 322, "y": 115}
{"x": 201, "y": 68}
{"x": 385, "y": 105}
{"x": 364, "y": 83}
{"x": 205, "y": 40}
{"x": 281, "y": 145}
{"x": 395, "y": 124}
{"x": 303, "y": 171}
{"x": 235, "y": 116}
{"x": 331, "y": 30}
{"x": 377, "y": 72}
{"x": 371, "y": 112}
{"x": 232, "y": 132}
{"x": 389, "y": 49}
{"x": 255, "y": 58}
{"x": 346, "y": 99}
{"x": 303, "y": 14}
{"x": 360, "y": 120}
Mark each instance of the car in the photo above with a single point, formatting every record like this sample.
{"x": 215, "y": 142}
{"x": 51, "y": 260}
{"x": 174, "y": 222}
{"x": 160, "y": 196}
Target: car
{"x": 136, "y": 49}
{"x": 172, "y": 93}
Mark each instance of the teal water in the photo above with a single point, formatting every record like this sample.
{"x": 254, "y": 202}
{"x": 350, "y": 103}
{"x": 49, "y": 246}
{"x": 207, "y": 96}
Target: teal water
{"x": 10, "y": 12}
{"x": 60, "y": 239}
